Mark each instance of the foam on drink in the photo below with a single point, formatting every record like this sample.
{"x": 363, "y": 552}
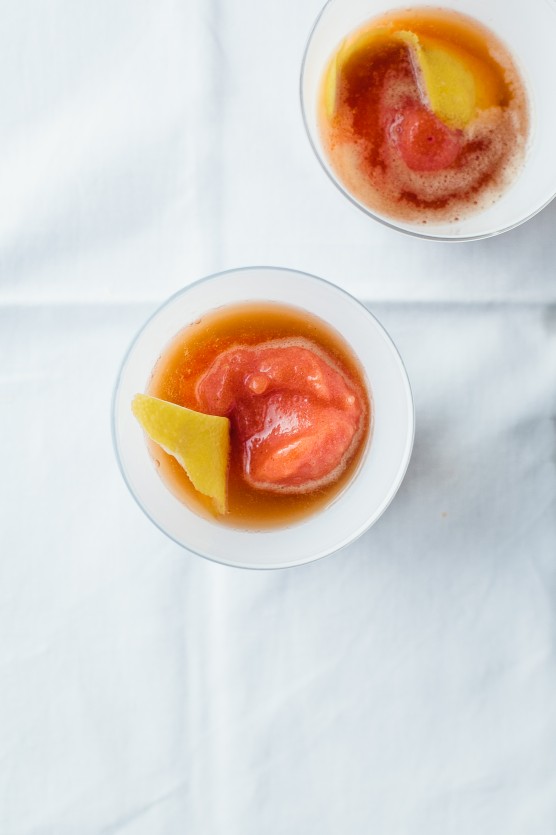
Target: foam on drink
{"x": 424, "y": 116}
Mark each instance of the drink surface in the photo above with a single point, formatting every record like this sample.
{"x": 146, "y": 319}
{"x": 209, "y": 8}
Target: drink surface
{"x": 423, "y": 115}
{"x": 297, "y": 401}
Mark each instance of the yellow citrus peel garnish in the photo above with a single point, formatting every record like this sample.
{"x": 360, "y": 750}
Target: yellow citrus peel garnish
{"x": 200, "y": 443}
{"x": 454, "y": 84}
{"x": 449, "y": 85}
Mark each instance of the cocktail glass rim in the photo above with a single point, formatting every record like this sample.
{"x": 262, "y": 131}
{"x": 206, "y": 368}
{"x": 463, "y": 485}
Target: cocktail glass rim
{"x": 353, "y": 535}
{"x": 385, "y": 221}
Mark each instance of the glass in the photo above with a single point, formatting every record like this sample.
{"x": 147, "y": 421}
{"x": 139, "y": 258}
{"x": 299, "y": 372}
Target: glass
{"x": 529, "y": 32}
{"x": 384, "y": 462}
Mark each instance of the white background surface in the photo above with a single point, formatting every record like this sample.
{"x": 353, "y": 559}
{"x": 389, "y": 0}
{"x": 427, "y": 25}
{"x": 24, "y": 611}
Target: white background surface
{"x": 405, "y": 686}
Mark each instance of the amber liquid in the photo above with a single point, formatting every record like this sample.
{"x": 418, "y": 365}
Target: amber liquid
{"x": 360, "y": 151}
{"x": 186, "y": 359}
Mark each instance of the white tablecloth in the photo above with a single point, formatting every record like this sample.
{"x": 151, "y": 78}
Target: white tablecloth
{"x": 405, "y": 686}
